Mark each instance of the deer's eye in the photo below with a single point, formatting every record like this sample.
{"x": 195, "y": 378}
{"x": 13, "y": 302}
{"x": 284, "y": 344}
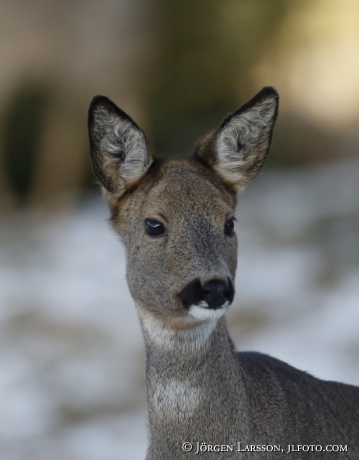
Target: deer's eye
{"x": 154, "y": 228}
{"x": 229, "y": 227}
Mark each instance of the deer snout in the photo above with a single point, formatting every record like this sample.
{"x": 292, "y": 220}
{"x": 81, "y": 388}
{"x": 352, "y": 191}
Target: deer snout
{"x": 213, "y": 294}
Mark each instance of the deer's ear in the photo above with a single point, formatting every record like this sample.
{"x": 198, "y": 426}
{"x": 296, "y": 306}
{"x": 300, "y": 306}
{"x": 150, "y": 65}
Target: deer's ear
{"x": 238, "y": 149}
{"x": 119, "y": 151}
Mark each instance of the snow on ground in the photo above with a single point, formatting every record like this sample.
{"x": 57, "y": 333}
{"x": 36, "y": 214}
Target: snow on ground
{"x": 71, "y": 352}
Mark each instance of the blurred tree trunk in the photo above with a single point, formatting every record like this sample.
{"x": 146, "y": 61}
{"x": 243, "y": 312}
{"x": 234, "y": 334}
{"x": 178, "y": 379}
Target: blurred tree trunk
{"x": 62, "y": 158}
{"x": 22, "y": 126}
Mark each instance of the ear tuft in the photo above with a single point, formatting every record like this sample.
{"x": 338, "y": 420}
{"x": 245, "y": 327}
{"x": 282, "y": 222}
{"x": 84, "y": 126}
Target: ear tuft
{"x": 238, "y": 149}
{"x": 119, "y": 150}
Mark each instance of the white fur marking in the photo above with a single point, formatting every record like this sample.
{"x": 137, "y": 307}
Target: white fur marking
{"x": 203, "y": 304}
{"x": 124, "y": 143}
{"x": 175, "y": 399}
{"x": 131, "y": 142}
{"x": 249, "y": 128}
{"x": 203, "y": 313}
{"x": 165, "y": 337}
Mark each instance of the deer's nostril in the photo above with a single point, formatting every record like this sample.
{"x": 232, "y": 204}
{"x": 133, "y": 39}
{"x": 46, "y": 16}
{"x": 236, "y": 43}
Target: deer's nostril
{"x": 215, "y": 293}
{"x": 192, "y": 293}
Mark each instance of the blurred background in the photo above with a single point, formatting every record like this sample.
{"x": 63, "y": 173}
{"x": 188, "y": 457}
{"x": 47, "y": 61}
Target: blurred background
{"x": 71, "y": 355}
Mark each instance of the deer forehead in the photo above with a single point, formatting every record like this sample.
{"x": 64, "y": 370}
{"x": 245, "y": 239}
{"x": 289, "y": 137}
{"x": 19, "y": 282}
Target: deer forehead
{"x": 181, "y": 193}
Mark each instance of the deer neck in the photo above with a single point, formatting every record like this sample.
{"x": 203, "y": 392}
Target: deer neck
{"x": 186, "y": 343}
{"x": 187, "y": 371}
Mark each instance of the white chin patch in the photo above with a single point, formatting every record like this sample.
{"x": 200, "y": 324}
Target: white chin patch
{"x": 202, "y": 312}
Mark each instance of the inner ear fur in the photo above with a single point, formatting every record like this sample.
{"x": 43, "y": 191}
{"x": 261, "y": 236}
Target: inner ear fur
{"x": 237, "y": 150}
{"x": 119, "y": 150}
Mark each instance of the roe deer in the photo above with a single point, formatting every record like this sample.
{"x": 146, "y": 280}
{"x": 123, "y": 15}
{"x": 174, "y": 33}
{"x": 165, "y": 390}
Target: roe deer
{"x": 175, "y": 219}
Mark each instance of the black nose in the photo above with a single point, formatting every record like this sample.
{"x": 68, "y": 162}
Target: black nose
{"x": 215, "y": 293}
